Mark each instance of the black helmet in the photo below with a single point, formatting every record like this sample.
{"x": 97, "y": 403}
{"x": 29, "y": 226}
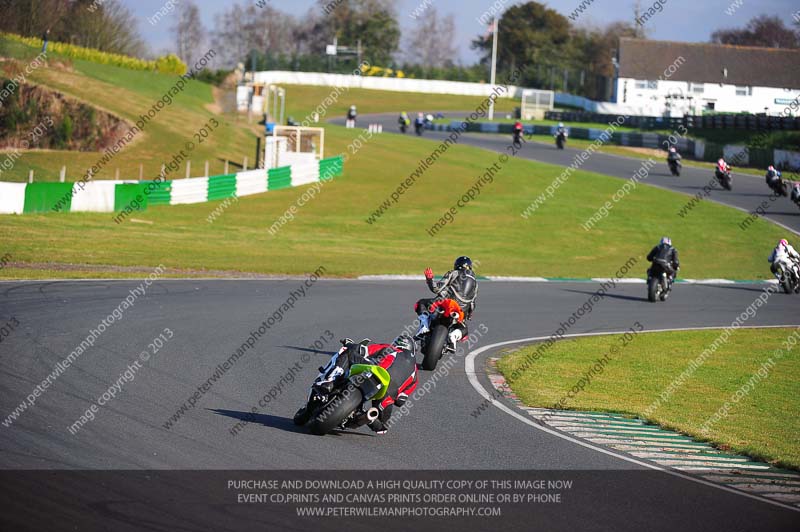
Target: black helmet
{"x": 405, "y": 343}
{"x": 463, "y": 263}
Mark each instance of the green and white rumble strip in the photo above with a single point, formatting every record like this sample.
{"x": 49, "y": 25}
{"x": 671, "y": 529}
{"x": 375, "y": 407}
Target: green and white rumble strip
{"x": 666, "y": 448}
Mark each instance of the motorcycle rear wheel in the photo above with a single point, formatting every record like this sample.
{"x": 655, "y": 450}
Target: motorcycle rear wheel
{"x": 786, "y": 284}
{"x": 434, "y": 347}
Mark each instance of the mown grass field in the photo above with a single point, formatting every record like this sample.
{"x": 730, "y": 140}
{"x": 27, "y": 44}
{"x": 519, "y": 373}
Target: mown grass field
{"x": 764, "y": 424}
{"x": 332, "y": 230}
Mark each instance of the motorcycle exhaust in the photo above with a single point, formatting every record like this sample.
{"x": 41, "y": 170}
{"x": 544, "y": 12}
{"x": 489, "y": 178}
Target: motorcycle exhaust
{"x": 372, "y": 414}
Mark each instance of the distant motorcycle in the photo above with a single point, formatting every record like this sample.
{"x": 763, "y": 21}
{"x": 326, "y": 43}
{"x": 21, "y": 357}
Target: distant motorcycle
{"x": 404, "y": 126}
{"x": 659, "y": 284}
{"x": 345, "y": 402}
{"x": 419, "y": 126}
{"x": 788, "y": 276}
{"x": 779, "y": 186}
{"x": 561, "y": 139}
{"x": 724, "y": 178}
{"x": 675, "y": 167}
{"x": 517, "y": 139}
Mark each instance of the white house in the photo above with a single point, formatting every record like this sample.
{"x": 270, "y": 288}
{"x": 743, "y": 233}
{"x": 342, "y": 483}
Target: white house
{"x": 674, "y": 78}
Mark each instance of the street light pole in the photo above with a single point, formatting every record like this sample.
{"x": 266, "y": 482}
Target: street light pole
{"x": 495, "y": 27}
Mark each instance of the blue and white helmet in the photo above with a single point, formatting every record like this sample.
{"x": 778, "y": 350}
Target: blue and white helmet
{"x": 666, "y": 241}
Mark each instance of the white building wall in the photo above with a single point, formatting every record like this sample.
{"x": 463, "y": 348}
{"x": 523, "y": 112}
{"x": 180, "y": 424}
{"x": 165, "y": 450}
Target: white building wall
{"x": 685, "y": 99}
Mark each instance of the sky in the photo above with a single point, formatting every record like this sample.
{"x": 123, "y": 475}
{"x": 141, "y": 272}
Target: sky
{"x": 680, "y": 20}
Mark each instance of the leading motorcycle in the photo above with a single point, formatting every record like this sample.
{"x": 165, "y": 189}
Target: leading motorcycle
{"x": 346, "y": 400}
{"x": 659, "y": 283}
{"x": 561, "y": 139}
{"x": 788, "y": 276}
{"x": 724, "y": 178}
{"x": 516, "y": 139}
{"x": 674, "y": 167}
{"x": 446, "y": 328}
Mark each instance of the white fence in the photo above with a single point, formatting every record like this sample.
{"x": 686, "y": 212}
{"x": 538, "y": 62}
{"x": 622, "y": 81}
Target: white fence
{"x": 426, "y": 86}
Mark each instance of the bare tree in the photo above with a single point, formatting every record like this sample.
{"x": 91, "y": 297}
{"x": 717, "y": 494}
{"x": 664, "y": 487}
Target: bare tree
{"x": 766, "y": 31}
{"x": 432, "y": 43}
{"x": 108, "y": 26}
{"x": 238, "y": 30}
{"x": 189, "y": 32}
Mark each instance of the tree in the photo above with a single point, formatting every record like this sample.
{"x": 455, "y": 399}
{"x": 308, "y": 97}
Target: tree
{"x": 764, "y": 31}
{"x": 432, "y": 43}
{"x": 373, "y": 22}
{"x": 189, "y": 32}
{"x": 240, "y": 30}
{"x": 551, "y": 54}
{"x": 109, "y": 27}
{"x": 530, "y": 33}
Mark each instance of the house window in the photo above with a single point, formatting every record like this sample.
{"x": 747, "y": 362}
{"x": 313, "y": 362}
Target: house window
{"x": 640, "y": 84}
{"x": 698, "y": 88}
{"x": 744, "y": 91}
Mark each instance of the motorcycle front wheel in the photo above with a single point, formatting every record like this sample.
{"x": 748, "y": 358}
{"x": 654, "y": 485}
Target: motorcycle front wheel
{"x": 652, "y": 289}
{"x": 335, "y": 411}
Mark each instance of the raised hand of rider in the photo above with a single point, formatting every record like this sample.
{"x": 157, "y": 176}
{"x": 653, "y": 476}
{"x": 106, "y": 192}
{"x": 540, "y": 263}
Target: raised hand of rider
{"x": 429, "y": 274}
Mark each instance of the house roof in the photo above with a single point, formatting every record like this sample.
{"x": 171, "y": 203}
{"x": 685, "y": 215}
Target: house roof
{"x": 707, "y": 63}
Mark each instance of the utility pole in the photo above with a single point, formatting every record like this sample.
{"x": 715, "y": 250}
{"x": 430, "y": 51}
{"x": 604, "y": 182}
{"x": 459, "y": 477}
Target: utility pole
{"x": 495, "y": 28}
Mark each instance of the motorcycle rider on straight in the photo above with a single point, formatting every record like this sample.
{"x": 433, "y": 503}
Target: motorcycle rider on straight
{"x": 517, "y": 131}
{"x": 673, "y": 157}
{"x": 773, "y": 178}
{"x": 561, "y": 135}
{"x": 796, "y": 193}
{"x": 419, "y": 123}
{"x": 783, "y": 253}
{"x": 398, "y": 358}
{"x": 667, "y": 257}
{"x": 352, "y": 114}
{"x": 460, "y": 285}
{"x": 404, "y": 121}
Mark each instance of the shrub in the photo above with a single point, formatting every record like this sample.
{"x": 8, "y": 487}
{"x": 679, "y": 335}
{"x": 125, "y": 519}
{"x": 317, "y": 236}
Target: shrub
{"x": 169, "y": 64}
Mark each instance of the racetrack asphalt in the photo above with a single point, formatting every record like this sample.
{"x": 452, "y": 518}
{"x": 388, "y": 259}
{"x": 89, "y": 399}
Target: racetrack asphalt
{"x": 211, "y": 318}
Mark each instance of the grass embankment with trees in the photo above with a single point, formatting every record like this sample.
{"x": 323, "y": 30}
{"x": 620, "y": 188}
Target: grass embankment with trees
{"x": 762, "y": 424}
{"x": 332, "y": 228}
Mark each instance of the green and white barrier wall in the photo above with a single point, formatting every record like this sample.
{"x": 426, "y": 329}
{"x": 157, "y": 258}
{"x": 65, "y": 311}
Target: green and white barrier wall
{"x": 116, "y": 196}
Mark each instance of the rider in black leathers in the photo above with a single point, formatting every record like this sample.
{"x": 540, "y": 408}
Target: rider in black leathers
{"x": 458, "y": 284}
{"x": 666, "y": 256}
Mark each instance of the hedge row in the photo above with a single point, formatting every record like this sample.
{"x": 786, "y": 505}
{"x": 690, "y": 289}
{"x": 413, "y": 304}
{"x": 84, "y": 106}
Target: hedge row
{"x": 168, "y": 64}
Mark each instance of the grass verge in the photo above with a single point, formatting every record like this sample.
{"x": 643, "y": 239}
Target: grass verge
{"x": 332, "y": 228}
{"x": 763, "y": 424}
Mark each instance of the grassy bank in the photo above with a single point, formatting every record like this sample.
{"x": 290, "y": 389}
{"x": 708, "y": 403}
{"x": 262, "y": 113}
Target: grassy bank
{"x": 763, "y": 424}
{"x": 332, "y": 228}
